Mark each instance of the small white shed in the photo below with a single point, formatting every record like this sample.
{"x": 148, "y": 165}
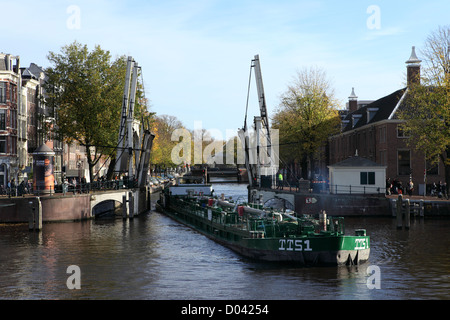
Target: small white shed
{"x": 357, "y": 175}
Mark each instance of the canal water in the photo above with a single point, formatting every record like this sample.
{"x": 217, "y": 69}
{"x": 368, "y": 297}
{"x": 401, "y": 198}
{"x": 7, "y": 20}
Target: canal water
{"x": 153, "y": 257}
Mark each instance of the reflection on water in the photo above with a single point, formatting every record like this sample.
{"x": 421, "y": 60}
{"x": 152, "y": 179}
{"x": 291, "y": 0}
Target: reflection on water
{"x": 153, "y": 257}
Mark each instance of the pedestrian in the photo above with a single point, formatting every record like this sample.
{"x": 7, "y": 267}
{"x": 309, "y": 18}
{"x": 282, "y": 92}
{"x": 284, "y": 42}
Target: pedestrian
{"x": 388, "y": 186}
{"x": 280, "y": 181}
{"x": 395, "y": 186}
{"x": 22, "y": 188}
{"x": 440, "y": 191}
{"x": 410, "y": 187}
{"x": 444, "y": 190}
{"x": 433, "y": 189}
{"x": 65, "y": 186}
{"x": 8, "y": 188}
{"x": 13, "y": 188}
{"x": 399, "y": 187}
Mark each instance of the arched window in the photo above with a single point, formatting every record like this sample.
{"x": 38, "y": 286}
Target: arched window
{"x": 3, "y": 174}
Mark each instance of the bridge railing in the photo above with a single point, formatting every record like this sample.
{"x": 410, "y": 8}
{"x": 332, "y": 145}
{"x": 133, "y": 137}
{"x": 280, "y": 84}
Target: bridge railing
{"x": 101, "y": 185}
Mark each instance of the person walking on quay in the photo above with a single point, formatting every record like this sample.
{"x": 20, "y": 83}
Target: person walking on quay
{"x": 410, "y": 187}
{"x": 400, "y": 187}
{"x": 441, "y": 190}
{"x": 12, "y": 188}
{"x": 444, "y": 190}
{"x": 388, "y": 186}
{"x": 8, "y": 188}
{"x": 280, "y": 181}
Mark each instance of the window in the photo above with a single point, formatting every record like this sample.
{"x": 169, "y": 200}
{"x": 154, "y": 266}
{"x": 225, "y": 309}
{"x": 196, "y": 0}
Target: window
{"x": 432, "y": 168}
{"x": 404, "y": 162}
{"x": 13, "y": 118}
{"x": 371, "y": 112}
{"x": 2, "y": 92}
{"x": 2, "y": 174}
{"x": 2, "y": 144}
{"x": 13, "y": 93}
{"x": 2, "y": 119}
{"x": 382, "y": 134}
{"x": 367, "y": 178}
{"x": 13, "y": 145}
{"x": 355, "y": 119}
{"x": 401, "y": 132}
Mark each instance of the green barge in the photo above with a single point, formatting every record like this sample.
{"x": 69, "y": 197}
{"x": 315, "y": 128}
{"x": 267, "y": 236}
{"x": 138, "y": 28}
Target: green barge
{"x": 265, "y": 234}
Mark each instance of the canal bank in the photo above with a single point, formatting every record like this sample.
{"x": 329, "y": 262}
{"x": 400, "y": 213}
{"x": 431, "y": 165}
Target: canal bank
{"x": 345, "y": 205}
{"x": 84, "y": 206}
{"x": 59, "y": 207}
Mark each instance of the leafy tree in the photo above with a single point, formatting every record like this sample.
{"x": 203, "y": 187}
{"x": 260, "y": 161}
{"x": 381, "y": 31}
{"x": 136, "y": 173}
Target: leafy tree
{"x": 86, "y": 89}
{"x": 164, "y": 126}
{"x": 305, "y": 118}
{"x": 204, "y": 147}
{"x": 233, "y": 146}
{"x": 427, "y": 108}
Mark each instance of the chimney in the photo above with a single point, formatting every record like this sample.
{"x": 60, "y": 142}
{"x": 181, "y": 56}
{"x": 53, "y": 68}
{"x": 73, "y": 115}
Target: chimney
{"x": 413, "y": 69}
{"x": 352, "y": 101}
{"x": 8, "y": 62}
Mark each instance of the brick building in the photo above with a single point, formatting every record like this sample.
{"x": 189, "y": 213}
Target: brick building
{"x": 9, "y": 105}
{"x": 28, "y": 124}
{"x": 40, "y": 117}
{"x": 372, "y": 131}
{"x": 23, "y": 117}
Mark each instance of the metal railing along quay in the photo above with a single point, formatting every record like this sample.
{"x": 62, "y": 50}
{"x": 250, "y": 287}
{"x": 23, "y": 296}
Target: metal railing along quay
{"x": 325, "y": 188}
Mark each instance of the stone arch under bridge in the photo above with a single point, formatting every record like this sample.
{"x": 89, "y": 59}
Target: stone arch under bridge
{"x": 279, "y": 203}
{"x": 137, "y": 201}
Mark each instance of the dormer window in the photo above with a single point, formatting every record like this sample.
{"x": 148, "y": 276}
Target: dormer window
{"x": 355, "y": 119}
{"x": 371, "y": 112}
{"x": 344, "y": 124}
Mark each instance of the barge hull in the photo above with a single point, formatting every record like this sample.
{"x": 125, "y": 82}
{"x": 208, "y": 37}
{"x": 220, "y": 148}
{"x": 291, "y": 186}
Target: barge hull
{"x": 347, "y": 250}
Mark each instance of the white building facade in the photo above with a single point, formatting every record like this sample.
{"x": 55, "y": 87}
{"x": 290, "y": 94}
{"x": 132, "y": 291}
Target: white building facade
{"x": 357, "y": 175}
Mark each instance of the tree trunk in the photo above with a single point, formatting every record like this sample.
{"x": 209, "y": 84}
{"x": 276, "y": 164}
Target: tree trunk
{"x": 304, "y": 167}
{"x": 446, "y": 159}
{"x": 110, "y": 172}
{"x": 312, "y": 167}
{"x": 90, "y": 163}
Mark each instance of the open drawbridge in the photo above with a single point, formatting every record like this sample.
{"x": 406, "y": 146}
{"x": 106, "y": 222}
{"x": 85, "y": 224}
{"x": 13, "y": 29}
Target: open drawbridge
{"x": 135, "y": 138}
{"x": 260, "y": 156}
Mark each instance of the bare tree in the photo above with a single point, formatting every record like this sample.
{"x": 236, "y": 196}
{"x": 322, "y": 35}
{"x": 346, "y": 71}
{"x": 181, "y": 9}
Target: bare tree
{"x": 436, "y": 55}
{"x": 427, "y": 107}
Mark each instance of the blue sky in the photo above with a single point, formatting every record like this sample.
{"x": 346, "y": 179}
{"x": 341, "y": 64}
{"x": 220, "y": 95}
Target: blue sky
{"x": 196, "y": 55}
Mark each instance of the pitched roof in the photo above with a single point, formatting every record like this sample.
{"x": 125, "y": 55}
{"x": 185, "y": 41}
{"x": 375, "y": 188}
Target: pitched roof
{"x": 7, "y": 60}
{"x": 28, "y": 74}
{"x": 381, "y": 109}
